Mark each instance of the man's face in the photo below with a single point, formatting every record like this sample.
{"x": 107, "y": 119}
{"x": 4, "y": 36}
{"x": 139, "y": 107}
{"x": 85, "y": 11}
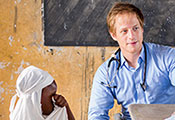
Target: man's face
{"x": 128, "y": 33}
{"x": 46, "y": 98}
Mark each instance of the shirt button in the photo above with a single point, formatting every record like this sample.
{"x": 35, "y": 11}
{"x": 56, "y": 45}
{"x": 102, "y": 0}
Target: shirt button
{"x": 137, "y": 86}
{"x": 151, "y": 98}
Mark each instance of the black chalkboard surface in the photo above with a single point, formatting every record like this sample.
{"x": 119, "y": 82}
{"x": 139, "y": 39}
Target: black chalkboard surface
{"x": 83, "y": 22}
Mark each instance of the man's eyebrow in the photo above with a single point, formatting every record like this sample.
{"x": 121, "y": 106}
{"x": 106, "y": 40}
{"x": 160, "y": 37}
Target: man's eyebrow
{"x": 131, "y": 27}
{"x": 135, "y": 25}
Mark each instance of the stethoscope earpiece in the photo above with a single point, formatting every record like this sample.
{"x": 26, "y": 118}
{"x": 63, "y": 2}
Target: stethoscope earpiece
{"x": 108, "y": 85}
{"x": 143, "y": 86}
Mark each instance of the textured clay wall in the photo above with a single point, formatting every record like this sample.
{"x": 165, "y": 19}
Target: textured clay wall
{"x": 21, "y": 40}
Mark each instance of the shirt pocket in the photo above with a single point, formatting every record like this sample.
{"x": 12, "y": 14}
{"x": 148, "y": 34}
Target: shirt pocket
{"x": 156, "y": 87}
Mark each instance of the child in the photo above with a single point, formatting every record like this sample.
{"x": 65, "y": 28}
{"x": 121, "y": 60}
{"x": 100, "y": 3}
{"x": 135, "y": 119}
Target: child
{"x": 38, "y": 100}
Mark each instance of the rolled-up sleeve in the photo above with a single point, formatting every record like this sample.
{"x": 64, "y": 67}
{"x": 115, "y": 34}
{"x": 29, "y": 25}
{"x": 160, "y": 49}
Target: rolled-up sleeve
{"x": 101, "y": 99}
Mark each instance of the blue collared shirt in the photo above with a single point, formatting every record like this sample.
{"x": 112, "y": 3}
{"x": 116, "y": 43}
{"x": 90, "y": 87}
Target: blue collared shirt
{"x": 160, "y": 82}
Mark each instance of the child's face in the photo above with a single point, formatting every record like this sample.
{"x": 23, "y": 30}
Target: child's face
{"x": 46, "y": 98}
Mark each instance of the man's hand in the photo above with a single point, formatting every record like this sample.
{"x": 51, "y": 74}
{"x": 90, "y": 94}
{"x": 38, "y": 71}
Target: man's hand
{"x": 60, "y": 100}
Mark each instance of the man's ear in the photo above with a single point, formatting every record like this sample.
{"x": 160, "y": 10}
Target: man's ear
{"x": 113, "y": 35}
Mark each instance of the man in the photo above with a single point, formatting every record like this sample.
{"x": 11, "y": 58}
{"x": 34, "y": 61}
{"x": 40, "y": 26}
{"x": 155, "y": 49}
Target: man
{"x": 138, "y": 73}
{"x": 38, "y": 100}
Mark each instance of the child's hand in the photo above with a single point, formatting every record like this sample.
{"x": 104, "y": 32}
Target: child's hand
{"x": 60, "y": 100}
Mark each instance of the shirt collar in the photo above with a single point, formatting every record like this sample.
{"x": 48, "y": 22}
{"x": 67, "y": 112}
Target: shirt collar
{"x": 142, "y": 54}
{"x": 141, "y": 57}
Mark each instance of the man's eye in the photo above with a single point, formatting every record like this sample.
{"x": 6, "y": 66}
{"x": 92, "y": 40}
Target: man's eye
{"x": 135, "y": 28}
{"x": 124, "y": 31}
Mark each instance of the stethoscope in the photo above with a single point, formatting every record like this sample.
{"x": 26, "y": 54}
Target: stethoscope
{"x": 114, "y": 58}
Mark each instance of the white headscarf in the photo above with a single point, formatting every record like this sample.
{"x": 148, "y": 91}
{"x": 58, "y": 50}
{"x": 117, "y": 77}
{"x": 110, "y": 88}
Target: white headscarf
{"x": 29, "y": 87}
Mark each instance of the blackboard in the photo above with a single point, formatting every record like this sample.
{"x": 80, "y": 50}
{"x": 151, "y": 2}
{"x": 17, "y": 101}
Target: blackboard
{"x": 83, "y": 22}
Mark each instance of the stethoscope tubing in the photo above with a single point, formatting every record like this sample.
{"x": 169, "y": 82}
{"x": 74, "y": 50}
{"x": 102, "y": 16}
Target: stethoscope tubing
{"x": 114, "y": 58}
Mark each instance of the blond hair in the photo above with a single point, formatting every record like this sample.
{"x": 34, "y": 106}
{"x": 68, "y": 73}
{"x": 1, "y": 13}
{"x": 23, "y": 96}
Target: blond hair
{"x": 120, "y": 8}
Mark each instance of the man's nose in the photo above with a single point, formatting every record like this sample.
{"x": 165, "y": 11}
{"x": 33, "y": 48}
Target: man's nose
{"x": 131, "y": 34}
